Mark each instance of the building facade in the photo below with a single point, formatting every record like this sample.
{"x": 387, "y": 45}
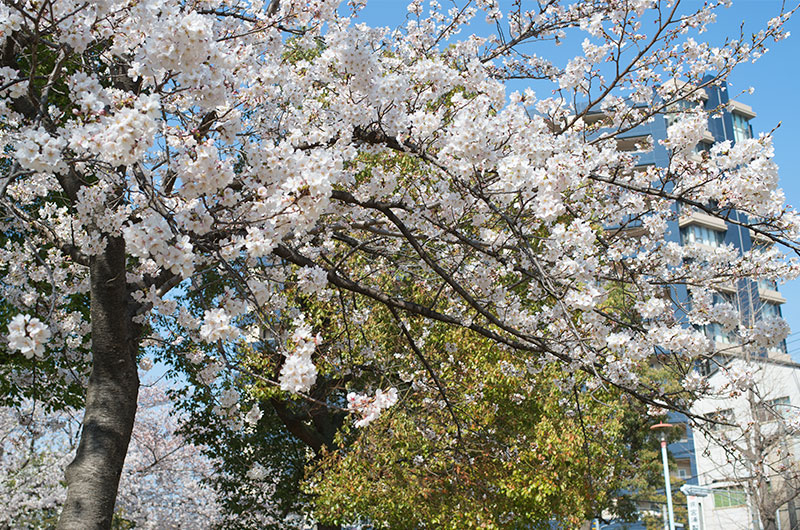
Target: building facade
{"x": 758, "y": 448}
{"x": 696, "y": 459}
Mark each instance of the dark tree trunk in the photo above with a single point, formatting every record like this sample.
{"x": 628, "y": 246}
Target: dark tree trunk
{"x": 317, "y": 434}
{"x": 93, "y": 477}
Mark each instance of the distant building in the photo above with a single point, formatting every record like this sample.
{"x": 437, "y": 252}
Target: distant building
{"x": 760, "y": 425}
{"x": 696, "y": 461}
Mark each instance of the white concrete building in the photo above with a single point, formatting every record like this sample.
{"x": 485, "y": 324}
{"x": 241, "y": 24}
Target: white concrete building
{"x": 762, "y": 442}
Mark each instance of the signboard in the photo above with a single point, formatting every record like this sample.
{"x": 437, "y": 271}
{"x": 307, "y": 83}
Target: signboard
{"x": 695, "y": 521}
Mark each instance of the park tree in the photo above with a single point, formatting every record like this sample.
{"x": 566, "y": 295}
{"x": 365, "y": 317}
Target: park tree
{"x": 234, "y": 149}
{"x": 468, "y": 446}
{"x": 555, "y": 449}
{"x": 165, "y": 482}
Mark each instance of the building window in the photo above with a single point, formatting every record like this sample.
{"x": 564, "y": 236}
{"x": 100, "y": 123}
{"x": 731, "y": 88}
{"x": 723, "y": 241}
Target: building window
{"x": 773, "y": 409}
{"x": 741, "y": 128}
{"x": 677, "y": 110}
{"x": 714, "y": 330}
{"x": 702, "y": 146}
{"x": 782, "y": 406}
{"x": 770, "y": 310}
{"x": 717, "y": 333}
{"x": 767, "y": 285}
{"x": 683, "y": 433}
{"x": 723, "y": 416}
{"x": 683, "y": 468}
{"x": 729, "y": 498}
{"x": 777, "y": 351}
{"x": 702, "y": 234}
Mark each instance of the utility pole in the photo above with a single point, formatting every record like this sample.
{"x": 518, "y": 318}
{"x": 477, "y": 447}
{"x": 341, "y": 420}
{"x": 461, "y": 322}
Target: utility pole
{"x": 661, "y": 428}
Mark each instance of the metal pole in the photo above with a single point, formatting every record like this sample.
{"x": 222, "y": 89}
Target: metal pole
{"x": 666, "y": 480}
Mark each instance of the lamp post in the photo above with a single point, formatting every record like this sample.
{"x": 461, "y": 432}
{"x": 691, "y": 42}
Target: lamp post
{"x": 662, "y": 427}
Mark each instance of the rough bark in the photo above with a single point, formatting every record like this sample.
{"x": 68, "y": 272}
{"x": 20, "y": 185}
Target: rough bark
{"x": 93, "y": 477}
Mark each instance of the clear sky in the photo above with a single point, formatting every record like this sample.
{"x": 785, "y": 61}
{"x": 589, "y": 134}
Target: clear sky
{"x": 775, "y": 78}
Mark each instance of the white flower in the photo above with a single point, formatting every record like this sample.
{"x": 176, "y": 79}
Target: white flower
{"x": 216, "y": 326}
{"x": 253, "y": 415}
{"x": 694, "y": 382}
{"x": 653, "y": 308}
{"x": 38, "y": 151}
{"x": 257, "y": 472}
{"x": 725, "y": 314}
{"x": 229, "y": 397}
{"x": 687, "y": 131}
{"x": 617, "y": 341}
{"x": 312, "y": 280}
{"x": 298, "y": 373}
{"x": 28, "y": 335}
{"x": 369, "y": 408}
{"x": 768, "y": 332}
{"x": 258, "y": 242}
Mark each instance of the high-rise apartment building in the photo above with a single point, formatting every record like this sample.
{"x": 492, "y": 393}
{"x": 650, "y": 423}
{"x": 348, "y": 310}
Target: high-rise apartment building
{"x": 722, "y": 507}
{"x": 730, "y": 121}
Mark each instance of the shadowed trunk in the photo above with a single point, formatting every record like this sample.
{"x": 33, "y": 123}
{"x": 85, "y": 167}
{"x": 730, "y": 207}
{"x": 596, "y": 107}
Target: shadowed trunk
{"x": 317, "y": 433}
{"x": 93, "y": 477}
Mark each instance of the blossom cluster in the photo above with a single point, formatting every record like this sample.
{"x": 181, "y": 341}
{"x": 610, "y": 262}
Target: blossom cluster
{"x": 369, "y": 408}
{"x": 217, "y": 326}
{"x": 28, "y": 335}
{"x": 298, "y": 372}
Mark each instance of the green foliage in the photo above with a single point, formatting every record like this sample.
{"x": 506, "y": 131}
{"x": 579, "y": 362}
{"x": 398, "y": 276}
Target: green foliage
{"x": 526, "y": 449}
{"x": 237, "y": 451}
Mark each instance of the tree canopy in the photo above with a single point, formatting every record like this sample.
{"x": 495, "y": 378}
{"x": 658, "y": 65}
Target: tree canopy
{"x": 262, "y": 158}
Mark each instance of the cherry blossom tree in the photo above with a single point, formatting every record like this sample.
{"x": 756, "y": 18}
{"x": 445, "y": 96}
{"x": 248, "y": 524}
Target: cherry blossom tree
{"x": 32, "y": 461}
{"x": 235, "y": 149}
{"x": 164, "y": 483}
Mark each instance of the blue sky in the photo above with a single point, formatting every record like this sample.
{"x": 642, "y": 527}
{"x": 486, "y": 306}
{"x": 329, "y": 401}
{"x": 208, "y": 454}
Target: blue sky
{"x": 775, "y": 78}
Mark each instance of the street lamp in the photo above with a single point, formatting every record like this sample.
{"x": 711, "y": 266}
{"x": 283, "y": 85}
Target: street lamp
{"x": 662, "y": 427}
